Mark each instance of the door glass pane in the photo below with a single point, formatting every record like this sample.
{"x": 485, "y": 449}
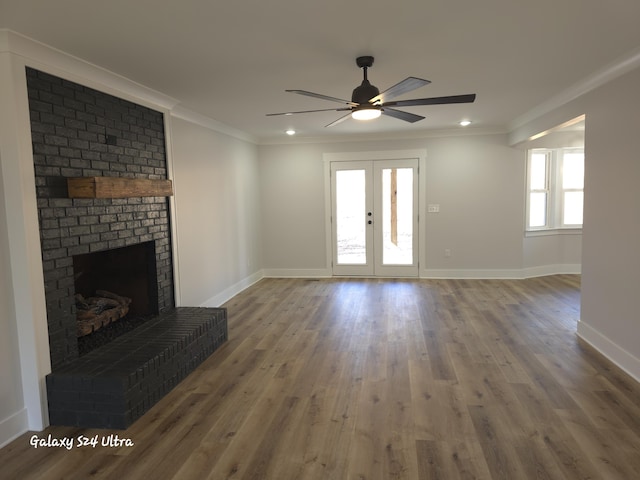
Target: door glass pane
{"x": 572, "y": 214}
{"x": 397, "y": 216}
{"x": 537, "y": 209}
{"x": 351, "y": 217}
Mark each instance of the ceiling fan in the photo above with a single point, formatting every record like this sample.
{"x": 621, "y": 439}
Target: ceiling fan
{"x": 367, "y": 102}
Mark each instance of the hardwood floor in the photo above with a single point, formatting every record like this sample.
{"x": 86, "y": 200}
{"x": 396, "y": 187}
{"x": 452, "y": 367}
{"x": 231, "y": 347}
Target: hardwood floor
{"x": 379, "y": 379}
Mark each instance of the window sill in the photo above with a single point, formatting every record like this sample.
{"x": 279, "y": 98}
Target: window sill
{"x": 552, "y": 231}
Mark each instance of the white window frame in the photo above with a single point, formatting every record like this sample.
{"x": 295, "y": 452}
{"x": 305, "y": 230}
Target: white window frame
{"x": 554, "y": 191}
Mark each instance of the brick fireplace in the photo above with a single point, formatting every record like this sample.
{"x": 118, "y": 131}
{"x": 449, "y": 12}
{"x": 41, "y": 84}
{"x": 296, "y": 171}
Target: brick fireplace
{"x": 81, "y": 132}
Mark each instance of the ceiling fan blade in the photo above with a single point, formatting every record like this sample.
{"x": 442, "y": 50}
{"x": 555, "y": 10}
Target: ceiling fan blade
{"x": 432, "y": 101}
{"x": 323, "y": 97}
{"x": 399, "y": 114}
{"x": 406, "y": 85}
{"x": 340, "y": 120}
{"x": 309, "y": 111}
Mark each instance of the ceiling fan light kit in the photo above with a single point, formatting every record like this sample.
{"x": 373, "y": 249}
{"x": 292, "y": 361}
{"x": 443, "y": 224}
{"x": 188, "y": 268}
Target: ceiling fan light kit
{"x": 368, "y": 103}
{"x": 365, "y": 113}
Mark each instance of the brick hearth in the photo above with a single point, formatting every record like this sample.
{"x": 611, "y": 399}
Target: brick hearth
{"x": 114, "y": 385}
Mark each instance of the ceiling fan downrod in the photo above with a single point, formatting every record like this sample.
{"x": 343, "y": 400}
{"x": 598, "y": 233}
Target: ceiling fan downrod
{"x": 363, "y": 93}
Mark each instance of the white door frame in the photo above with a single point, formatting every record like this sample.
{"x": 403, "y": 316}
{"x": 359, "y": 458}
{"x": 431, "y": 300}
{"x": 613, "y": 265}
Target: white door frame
{"x": 420, "y": 154}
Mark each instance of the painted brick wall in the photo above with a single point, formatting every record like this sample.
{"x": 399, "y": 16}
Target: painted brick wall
{"x": 77, "y": 132}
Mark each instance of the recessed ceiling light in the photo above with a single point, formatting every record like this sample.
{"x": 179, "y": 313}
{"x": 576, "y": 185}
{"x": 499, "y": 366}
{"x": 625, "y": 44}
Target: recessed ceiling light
{"x": 464, "y": 123}
{"x": 291, "y": 131}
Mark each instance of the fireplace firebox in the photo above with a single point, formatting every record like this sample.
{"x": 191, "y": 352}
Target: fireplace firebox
{"x": 115, "y": 292}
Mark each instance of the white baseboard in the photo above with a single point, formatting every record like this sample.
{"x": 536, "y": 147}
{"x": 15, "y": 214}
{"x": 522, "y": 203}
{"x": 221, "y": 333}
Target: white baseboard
{"x": 506, "y": 273}
{"x": 556, "y": 269}
{"x": 455, "y": 273}
{"x": 13, "y": 426}
{"x": 297, "y": 272}
{"x": 618, "y": 355}
{"x": 233, "y": 290}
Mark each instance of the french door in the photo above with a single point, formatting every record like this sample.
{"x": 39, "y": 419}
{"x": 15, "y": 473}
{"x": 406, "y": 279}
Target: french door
{"x": 374, "y": 217}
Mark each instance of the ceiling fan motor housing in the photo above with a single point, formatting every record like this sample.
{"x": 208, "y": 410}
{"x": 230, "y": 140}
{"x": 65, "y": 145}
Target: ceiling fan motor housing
{"x": 363, "y": 93}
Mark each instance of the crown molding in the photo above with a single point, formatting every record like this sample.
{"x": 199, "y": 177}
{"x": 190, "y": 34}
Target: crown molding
{"x": 368, "y": 137}
{"x": 48, "y": 59}
{"x": 188, "y": 115}
{"x": 615, "y": 69}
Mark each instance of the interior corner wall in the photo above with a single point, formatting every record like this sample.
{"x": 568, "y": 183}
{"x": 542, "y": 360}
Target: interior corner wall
{"x": 217, "y": 217}
{"x": 610, "y": 255}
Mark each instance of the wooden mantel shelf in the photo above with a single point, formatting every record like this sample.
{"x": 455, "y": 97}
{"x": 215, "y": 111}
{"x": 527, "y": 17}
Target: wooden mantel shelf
{"x": 117, "y": 187}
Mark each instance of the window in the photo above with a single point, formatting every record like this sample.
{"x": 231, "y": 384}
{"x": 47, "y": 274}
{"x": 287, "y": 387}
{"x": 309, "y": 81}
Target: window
{"x": 555, "y": 188}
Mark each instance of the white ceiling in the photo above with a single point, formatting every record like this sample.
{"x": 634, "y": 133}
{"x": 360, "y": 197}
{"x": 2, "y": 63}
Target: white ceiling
{"x": 231, "y": 60}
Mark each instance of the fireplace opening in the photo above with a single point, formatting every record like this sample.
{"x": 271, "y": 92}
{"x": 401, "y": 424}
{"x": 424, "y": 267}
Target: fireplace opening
{"x": 116, "y": 291}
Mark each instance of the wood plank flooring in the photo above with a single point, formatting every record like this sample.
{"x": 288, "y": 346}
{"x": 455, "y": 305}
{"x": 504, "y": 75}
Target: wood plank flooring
{"x": 379, "y": 379}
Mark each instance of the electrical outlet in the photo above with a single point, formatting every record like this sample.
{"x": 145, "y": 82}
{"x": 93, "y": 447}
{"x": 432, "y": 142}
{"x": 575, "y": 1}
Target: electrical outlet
{"x": 447, "y": 252}
{"x": 433, "y": 208}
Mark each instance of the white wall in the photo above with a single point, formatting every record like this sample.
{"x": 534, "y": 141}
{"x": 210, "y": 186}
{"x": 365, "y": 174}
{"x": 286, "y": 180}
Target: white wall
{"x": 610, "y": 256}
{"x": 611, "y": 265}
{"x": 561, "y": 251}
{"x": 12, "y": 412}
{"x": 477, "y": 180}
{"x": 292, "y": 208}
{"x": 216, "y": 213}
{"x": 24, "y": 314}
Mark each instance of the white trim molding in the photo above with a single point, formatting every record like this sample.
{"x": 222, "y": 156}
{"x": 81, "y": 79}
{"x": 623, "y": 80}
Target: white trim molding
{"x": 13, "y": 426}
{"x": 612, "y": 351}
{"x": 229, "y": 292}
{"x": 61, "y": 64}
{"x": 383, "y": 136}
{"x": 297, "y": 273}
{"x": 615, "y": 69}
{"x": 458, "y": 273}
{"x": 556, "y": 269}
{"x": 190, "y": 116}
{"x": 505, "y": 273}
{"x": 24, "y": 239}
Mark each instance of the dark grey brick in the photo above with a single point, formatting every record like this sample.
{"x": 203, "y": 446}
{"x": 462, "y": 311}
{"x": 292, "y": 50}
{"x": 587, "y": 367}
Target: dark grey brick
{"x": 52, "y": 119}
{"x": 36, "y": 105}
{"x": 69, "y": 134}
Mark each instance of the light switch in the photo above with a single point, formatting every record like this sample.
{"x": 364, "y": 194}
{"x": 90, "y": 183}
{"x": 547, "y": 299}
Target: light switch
{"x": 433, "y": 208}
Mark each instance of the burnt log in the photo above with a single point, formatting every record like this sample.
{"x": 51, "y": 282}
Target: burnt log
{"x": 95, "y": 312}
